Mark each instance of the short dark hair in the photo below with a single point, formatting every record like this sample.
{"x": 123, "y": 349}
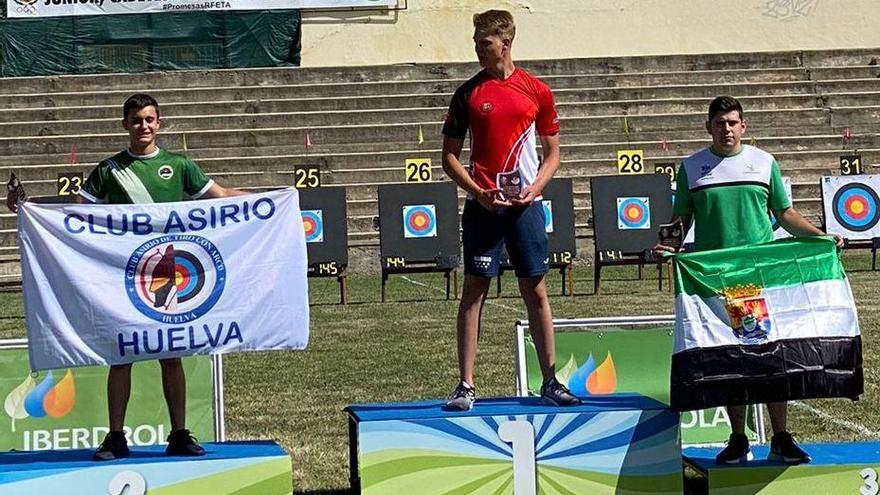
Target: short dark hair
{"x": 137, "y": 102}
{"x": 724, "y": 104}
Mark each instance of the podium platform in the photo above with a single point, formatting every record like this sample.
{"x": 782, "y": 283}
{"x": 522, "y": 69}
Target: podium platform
{"x": 836, "y": 468}
{"x": 240, "y": 468}
{"x": 614, "y": 444}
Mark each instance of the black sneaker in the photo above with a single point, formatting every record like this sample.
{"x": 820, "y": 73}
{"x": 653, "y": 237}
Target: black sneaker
{"x": 462, "y": 398}
{"x": 114, "y": 446}
{"x": 181, "y": 442}
{"x": 557, "y": 394}
{"x": 737, "y": 450}
{"x": 783, "y": 448}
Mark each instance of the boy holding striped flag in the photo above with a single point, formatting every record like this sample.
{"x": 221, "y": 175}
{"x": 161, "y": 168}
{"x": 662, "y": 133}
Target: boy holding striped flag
{"x": 728, "y": 189}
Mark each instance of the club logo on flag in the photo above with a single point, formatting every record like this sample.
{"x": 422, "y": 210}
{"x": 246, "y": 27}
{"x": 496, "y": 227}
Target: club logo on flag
{"x": 175, "y": 278}
{"x": 749, "y": 317}
{"x": 419, "y": 221}
{"x": 633, "y": 213}
{"x": 313, "y": 223}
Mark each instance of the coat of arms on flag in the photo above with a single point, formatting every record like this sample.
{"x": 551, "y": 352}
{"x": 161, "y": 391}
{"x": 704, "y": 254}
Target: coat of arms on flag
{"x": 749, "y": 317}
{"x": 764, "y": 323}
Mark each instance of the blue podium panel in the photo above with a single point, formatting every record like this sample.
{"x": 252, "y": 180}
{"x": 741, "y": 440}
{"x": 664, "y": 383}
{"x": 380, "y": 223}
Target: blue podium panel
{"x": 611, "y": 444}
{"x": 836, "y": 468}
{"x": 240, "y": 468}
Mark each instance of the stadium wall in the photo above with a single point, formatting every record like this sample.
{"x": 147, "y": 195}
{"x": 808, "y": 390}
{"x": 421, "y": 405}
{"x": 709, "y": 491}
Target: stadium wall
{"x": 440, "y": 30}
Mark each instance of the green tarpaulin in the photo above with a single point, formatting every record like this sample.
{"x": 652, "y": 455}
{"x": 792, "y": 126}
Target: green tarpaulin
{"x": 149, "y": 42}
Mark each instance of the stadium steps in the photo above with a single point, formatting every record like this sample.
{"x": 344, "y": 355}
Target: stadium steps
{"x": 193, "y": 102}
{"x": 248, "y": 128}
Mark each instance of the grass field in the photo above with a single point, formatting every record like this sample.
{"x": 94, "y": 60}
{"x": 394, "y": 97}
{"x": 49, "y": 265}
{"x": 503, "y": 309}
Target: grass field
{"x": 405, "y": 350}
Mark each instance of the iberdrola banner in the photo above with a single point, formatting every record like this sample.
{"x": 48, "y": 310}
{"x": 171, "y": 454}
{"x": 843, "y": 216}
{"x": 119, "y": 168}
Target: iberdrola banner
{"x": 764, "y": 323}
{"x": 113, "y": 284}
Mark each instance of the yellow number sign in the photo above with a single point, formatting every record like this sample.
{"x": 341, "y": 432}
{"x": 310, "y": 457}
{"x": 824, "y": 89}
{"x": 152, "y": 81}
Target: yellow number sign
{"x": 418, "y": 169}
{"x": 630, "y": 162}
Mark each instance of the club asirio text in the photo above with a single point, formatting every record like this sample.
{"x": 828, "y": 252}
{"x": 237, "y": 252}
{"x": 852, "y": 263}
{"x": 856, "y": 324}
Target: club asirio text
{"x": 194, "y": 220}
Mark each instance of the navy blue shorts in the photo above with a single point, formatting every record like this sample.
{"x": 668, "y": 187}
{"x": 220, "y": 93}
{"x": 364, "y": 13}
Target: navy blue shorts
{"x": 484, "y": 234}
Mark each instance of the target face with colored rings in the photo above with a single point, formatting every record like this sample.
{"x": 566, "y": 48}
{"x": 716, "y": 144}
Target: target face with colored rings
{"x": 548, "y": 215}
{"x": 419, "y": 221}
{"x": 313, "y": 223}
{"x": 855, "y": 207}
{"x": 633, "y": 213}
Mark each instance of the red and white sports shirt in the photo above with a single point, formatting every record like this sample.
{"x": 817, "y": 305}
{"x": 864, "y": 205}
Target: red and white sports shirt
{"x": 503, "y": 118}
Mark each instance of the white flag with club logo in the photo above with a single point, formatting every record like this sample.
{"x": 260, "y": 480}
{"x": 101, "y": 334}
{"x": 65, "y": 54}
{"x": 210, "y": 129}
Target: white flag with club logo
{"x": 114, "y": 284}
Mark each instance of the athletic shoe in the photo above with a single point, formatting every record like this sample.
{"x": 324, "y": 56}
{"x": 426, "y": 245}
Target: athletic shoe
{"x": 737, "y": 450}
{"x": 556, "y": 394}
{"x": 181, "y": 442}
{"x": 114, "y": 446}
{"x": 783, "y": 448}
{"x": 462, "y": 398}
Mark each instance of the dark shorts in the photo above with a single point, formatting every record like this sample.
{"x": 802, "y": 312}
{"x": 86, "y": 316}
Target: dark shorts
{"x": 485, "y": 233}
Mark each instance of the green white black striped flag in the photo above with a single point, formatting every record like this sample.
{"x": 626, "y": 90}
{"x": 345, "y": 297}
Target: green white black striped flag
{"x": 764, "y": 323}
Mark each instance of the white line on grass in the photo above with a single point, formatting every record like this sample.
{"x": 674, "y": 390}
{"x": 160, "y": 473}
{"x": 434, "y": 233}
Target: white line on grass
{"x": 851, "y": 425}
{"x": 438, "y": 289}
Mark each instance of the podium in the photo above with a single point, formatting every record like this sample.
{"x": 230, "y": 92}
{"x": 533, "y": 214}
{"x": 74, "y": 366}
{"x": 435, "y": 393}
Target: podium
{"x": 835, "y": 468}
{"x": 610, "y": 444}
{"x": 240, "y": 468}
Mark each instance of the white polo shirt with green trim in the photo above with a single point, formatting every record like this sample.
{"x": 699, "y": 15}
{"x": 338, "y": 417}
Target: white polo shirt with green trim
{"x": 729, "y": 196}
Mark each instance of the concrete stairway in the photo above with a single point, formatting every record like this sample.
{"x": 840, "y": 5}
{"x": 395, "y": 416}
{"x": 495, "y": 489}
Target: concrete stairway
{"x": 247, "y": 128}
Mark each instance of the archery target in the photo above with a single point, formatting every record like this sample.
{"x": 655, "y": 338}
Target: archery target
{"x": 188, "y": 275}
{"x": 852, "y": 206}
{"x": 419, "y": 221}
{"x": 778, "y": 231}
{"x": 548, "y": 215}
{"x": 313, "y": 223}
{"x": 633, "y": 213}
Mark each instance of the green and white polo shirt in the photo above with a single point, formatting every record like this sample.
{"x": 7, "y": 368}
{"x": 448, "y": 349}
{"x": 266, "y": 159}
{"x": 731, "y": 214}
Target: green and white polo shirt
{"x": 159, "y": 177}
{"x": 729, "y": 196}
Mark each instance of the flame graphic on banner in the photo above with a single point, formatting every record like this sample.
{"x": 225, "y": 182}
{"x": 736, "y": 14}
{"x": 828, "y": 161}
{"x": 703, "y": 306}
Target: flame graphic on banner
{"x": 60, "y": 399}
{"x": 592, "y": 379}
{"x": 604, "y": 379}
{"x": 577, "y": 383}
{"x": 48, "y": 398}
{"x": 33, "y": 403}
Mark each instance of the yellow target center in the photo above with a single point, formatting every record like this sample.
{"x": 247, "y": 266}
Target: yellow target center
{"x": 632, "y": 212}
{"x": 858, "y": 207}
{"x": 420, "y": 221}
{"x": 178, "y": 278}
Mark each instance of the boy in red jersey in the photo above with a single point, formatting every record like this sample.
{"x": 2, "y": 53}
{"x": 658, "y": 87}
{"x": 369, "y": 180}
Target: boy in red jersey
{"x": 506, "y": 110}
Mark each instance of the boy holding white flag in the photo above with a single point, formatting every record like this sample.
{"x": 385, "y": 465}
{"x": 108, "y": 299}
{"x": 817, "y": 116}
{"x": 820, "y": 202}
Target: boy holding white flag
{"x": 145, "y": 173}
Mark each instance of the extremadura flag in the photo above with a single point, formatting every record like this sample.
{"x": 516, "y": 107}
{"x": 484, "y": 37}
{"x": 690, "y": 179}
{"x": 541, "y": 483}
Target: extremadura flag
{"x": 764, "y": 323}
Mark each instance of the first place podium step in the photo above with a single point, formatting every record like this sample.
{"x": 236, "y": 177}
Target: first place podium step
{"x": 239, "y": 468}
{"x": 836, "y": 468}
{"x": 615, "y": 444}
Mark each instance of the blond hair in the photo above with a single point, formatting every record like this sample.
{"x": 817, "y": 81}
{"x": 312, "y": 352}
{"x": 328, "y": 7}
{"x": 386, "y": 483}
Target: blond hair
{"x": 495, "y": 22}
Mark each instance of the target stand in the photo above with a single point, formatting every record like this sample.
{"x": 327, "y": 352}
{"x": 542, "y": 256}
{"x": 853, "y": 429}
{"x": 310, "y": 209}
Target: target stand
{"x": 558, "y": 204}
{"x": 419, "y": 231}
{"x": 627, "y": 211}
{"x": 324, "y": 218}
